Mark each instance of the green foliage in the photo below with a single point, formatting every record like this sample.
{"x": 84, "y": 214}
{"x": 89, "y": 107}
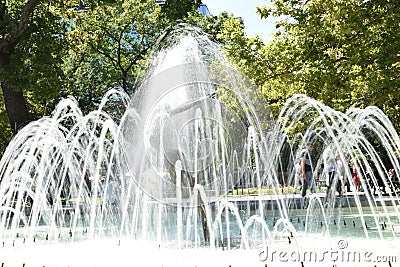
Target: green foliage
{"x": 80, "y": 50}
{"x": 31, "y": 50}
{"x": 344, "y": 53}
{"x": 35, "y": 62}
{"x": 340, "y": 52}
{"x": 111, "y": 43}
{"x": 175, "y": 10}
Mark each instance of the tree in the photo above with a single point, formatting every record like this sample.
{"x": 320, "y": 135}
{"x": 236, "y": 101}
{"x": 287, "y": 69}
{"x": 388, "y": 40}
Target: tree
{"x": 30, "y": 47}
{"x": 343, "y": 53}
{"x": 111, "y": 42}
{"x": 40, "y": 61}
{"x": 12, "y": 32}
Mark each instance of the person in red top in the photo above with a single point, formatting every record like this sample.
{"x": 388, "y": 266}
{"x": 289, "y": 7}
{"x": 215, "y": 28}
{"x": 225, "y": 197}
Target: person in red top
{"x": 356, "y": 178}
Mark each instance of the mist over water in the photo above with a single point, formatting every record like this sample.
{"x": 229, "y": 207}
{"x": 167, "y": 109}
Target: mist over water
{"x": 194, "y": 160}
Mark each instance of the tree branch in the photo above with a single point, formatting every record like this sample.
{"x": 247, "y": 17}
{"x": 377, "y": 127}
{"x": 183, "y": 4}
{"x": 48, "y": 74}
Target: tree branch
{"x": 113, "y": 60}
{"x": 11, "y": 39}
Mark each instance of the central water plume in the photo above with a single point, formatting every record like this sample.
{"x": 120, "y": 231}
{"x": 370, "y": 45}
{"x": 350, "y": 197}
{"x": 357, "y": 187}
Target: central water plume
{"x": 197, "y": 120}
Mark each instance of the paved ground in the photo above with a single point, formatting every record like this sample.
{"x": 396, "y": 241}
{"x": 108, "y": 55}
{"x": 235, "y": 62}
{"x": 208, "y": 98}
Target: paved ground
{"x": 349, "y": 199}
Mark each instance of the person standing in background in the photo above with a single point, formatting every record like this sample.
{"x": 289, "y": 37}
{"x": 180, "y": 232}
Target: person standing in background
{"x": 297, "y": 174}
{"x": 330, "y": 170}
{"x": 340, "y": 169}
{"x": 356, "y": 178}
{"x": 307, "y": 169}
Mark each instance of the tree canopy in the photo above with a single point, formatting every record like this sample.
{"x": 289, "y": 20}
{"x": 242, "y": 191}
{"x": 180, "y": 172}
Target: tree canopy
{"x": 343, "y": 53}
{"x": 111, "y": 42}
{"x": 31, "y": 49}
{"x": 52, "y": 49}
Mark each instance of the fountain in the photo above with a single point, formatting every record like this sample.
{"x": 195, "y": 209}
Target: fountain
{"x": 192, "y": 166}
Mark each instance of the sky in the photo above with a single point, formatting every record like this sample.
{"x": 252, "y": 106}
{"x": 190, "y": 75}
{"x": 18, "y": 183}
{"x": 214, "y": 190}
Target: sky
{"x": 247, "y": 10}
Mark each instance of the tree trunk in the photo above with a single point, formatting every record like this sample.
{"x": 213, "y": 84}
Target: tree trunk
{"x": 17, "y": 111}
{"x": 14, "y": 101}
